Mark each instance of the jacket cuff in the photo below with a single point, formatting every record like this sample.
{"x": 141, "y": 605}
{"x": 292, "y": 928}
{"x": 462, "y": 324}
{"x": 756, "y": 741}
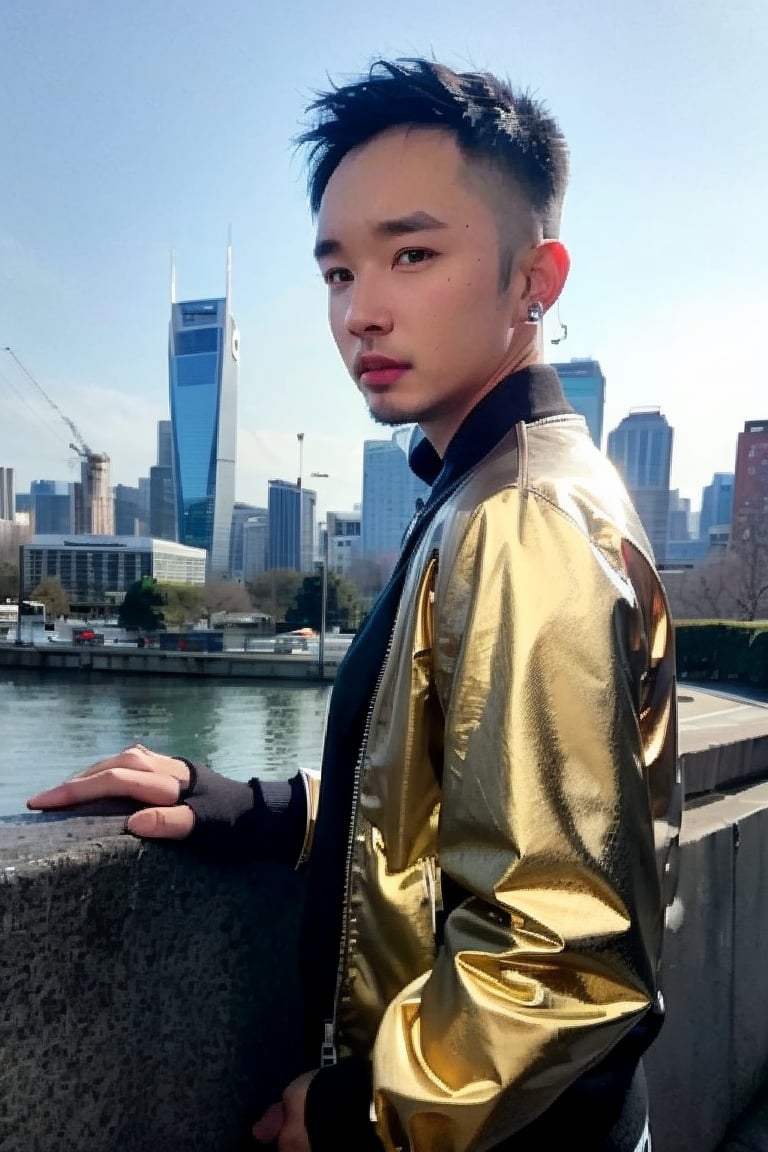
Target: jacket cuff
{"x": 337, "y": 1112}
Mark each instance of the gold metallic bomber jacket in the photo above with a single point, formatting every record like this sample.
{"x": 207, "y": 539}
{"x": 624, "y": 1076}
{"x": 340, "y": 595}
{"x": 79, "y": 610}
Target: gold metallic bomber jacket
{"x": 522, "y": 741}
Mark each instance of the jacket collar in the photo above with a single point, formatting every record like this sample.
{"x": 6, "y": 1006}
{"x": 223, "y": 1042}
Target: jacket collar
{"x": 530, "y": 394}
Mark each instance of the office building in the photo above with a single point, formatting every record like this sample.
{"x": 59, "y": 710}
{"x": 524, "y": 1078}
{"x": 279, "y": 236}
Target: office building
{"x": 716, "y": 504}
{"x": 641, "y": 448}
{"x": 203, "y": 369}
{"x": 130, "y": 511}
{"x": 750, "y": 487}
{"x": 343, "y": 541}
{"x": 97, "y": 571}
{"x": 164, "y": 444}
{"x": 255, "y": 546}
{"x": 291, "y": 519}
{"x": 162, "y": 502}
{"x": 583, "y": 383}
{"x": 241, "y": 514}
{"x": 7, "y": 495}
{"x": 53, "y": 506}
{"x": 390, "y": 493}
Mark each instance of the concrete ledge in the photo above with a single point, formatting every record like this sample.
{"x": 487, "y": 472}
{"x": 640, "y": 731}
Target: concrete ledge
{"x": 149, "y": 999}
{"x": 149, "y": 662}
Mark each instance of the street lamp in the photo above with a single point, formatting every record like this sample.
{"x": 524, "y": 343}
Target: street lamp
{"x": 323, "y": 590}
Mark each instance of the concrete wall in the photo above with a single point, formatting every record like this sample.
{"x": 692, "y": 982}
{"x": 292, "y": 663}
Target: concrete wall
{"x": 149, "y": 998}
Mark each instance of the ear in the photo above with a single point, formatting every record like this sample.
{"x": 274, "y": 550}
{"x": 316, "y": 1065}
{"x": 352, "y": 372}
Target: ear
{"x": 547, "y": 272}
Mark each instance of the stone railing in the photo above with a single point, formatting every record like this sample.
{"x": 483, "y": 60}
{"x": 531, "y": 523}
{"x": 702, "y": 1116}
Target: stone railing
{"x": 149, "y": 998}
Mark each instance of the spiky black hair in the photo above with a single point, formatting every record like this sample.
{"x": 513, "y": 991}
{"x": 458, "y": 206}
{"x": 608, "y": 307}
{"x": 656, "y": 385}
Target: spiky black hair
{"x": 509, "y": 130}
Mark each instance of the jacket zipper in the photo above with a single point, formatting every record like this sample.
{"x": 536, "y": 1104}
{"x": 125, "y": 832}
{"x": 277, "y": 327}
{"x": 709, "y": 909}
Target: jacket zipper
{"x": 328, "y": 1051}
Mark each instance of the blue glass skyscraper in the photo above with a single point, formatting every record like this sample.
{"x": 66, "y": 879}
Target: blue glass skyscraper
{"x": 584, "y": 387}
{"x": 390, "y": 492}
{"x": 203, "y": 357}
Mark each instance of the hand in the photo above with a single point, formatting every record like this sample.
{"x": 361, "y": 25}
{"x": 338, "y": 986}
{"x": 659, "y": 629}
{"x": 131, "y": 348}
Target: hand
{"x": 135, "y": 773}
{"x": 285, "y": 1122}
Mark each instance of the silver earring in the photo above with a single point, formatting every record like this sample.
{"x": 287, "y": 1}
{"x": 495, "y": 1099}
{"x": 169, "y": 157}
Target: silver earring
{"x": 535, "y": 312}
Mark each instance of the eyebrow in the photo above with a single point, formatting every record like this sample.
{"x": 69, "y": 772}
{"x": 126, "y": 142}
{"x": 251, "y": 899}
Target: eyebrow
{"x": 400, "y": 226}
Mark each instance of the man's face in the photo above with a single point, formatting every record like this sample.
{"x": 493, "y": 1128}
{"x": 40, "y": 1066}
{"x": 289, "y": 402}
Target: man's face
{"x": 409, "y": 248}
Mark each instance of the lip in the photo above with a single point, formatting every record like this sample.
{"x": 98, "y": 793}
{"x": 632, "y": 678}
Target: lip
{"x": 375, "y": 371}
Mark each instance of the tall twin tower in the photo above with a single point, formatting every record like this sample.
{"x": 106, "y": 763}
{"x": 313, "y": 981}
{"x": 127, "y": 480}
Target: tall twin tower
{"x": 203, "y": 357}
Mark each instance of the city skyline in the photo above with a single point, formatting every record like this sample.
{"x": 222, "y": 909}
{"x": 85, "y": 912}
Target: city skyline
{"x": 655, "y": 293}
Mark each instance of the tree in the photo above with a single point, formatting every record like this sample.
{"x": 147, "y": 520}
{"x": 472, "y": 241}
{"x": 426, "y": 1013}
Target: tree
{"x": 273, "y": 593}
{"x": 142, "y": 607}
{"x": 225, "y": 596}
{"x": 342, "y": 608}
{"x": 182, "y": 603}
{"x": 51, "y": 593}
{"x": 750, "y": 548}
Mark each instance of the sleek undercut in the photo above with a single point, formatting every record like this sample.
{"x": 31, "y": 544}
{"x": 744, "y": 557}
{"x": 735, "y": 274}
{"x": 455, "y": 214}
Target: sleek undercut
{"x": 515, "y": 151}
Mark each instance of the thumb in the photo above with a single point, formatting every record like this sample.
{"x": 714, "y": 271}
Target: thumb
{"x": 267, "y": 1130}
{"x": 169, "y": 823}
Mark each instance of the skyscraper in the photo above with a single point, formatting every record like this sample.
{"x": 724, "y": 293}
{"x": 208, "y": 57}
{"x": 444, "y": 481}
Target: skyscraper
{"x": 390, "y": 492}
{"x": 162, "y": 503}
{"x": 164, "y": 444}
{"x": 53, "y": 507}
{"x": 750, "y": 488}
{"x": 204, "y": 350}
{"x": 716, "y": 503}
{"x": 7, "y": 496}
{"x": 130, "y": 511}
{"x": 584, "y": 387}
{"x": 241, "y": 514}
{"x": 291, "y": 521}
{"x": 641, "y": 449}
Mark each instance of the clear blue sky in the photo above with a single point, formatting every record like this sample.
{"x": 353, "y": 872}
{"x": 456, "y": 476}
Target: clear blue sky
{"x": 131, "y": 129}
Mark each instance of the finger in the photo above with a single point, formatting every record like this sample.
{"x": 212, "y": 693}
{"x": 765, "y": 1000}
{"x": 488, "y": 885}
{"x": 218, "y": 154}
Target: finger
{"x": 267, "y": 1129}
{"x": 168, "y": 823}
{"x": 140, "y": 759}
{"x": 146, "y": 787}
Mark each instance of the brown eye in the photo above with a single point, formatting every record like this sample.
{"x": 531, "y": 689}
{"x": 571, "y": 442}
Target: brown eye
{"x": 414, "y": 256}
{"x": 337, "y": 276}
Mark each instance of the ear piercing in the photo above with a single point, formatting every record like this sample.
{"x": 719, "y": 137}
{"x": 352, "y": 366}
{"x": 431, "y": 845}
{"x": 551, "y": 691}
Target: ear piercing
{"x": 535, "y": 312}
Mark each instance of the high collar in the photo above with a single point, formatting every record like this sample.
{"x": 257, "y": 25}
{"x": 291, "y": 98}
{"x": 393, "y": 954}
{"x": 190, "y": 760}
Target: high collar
{"x": 529, "y": 394}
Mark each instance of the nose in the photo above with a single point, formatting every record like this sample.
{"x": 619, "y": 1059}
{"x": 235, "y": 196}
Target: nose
{"x": 367, "y": 312}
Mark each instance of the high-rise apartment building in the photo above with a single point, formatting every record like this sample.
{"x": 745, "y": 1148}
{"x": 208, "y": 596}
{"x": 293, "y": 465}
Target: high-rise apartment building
{"x": 390, "y": 493}
{"x": 94, "y": 501}
{"x": 716, "y": 503}
{"x": 641, "y": 448}
{"x": 52, "y": 507}
{"x": 291, "y": 518}
{"x": 750, "y": 488}
{"x": 204, "y": 351}
{"x": 584, "y": 387}
{"x": 7, "y": 494}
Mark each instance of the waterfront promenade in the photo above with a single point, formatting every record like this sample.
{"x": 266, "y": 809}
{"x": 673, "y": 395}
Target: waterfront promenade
{"x": 140, "y": 973}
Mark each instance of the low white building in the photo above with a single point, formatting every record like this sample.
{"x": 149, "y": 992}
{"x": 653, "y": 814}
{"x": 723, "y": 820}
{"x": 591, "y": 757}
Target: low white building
{"x": 98, "y": 570}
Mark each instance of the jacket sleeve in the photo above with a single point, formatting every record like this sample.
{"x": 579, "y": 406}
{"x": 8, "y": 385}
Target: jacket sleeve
{"x": 556, "y": 684}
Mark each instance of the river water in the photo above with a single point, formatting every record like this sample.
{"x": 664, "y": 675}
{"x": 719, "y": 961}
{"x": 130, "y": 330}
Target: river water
{"x": 54, "y": 724}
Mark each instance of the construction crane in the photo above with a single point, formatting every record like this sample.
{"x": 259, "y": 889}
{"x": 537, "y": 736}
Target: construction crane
{"x": 97, "y": 516}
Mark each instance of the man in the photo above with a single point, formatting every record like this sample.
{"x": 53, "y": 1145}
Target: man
{"x": 492, "y": 852}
